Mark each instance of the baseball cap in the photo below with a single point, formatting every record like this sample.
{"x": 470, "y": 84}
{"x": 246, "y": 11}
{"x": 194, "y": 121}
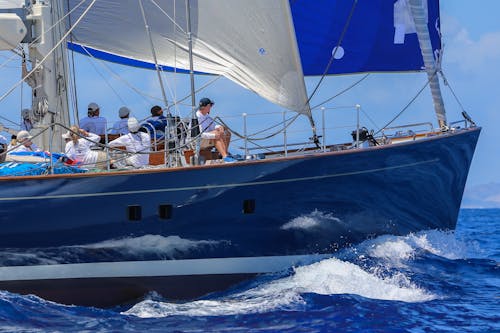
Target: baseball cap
{"x": 205, "y": 101}
{"x": 23, "y": 135}
{"x": 123, "y": 112}
{"x": 93, "y": 107}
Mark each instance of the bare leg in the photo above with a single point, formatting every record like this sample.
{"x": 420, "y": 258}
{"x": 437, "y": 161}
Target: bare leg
{"x": 227, "y": 139}
{"x": 220, "y": 145}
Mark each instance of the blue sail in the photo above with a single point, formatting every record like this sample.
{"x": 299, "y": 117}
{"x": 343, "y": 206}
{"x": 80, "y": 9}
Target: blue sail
{"x": 369, "y": 42}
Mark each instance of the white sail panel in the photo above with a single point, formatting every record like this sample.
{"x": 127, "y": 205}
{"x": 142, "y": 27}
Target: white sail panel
{"x": 10, "y": 4}
{"x": 249, "y": 42}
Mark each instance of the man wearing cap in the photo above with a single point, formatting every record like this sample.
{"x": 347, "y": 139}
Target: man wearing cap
{"x": 26, "y": 120}
{"x": 212, "y": 134}
{"x": 93, "y": 123}
{"x": 24, "y": 143}
{"x": 135, "y": 142}
{"x": 157, "y": 123}
{"x": 121, "y": 127}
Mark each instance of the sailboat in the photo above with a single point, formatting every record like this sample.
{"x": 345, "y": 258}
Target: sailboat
{"x": 89, "y": 238}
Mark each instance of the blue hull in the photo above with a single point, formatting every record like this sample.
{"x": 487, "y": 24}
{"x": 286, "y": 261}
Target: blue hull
{"x": 284, "y": 207}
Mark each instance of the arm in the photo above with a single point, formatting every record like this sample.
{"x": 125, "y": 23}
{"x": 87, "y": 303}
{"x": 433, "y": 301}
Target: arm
{"x": 118, "y": 142}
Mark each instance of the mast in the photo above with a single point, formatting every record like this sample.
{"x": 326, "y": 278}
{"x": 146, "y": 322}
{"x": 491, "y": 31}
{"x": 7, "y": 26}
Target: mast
{"x": 418, "y": 11}
{"x": 195, "y": 130}
{"x": 48, "y": 79}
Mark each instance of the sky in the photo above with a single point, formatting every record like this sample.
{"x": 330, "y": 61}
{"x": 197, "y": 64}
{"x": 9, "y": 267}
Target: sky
{"x": 471, "y": 65}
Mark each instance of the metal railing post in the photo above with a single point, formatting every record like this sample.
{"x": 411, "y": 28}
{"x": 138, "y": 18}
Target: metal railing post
{"x": 358, "y": 107}
{"x": 284, "y": 134}
{"x": 166, "y": 146}
{"x": 245, "y": 133}
{"x": 51, "y": 163}
{"x": 323, "y": 128}
{"x": 106, "y": 141}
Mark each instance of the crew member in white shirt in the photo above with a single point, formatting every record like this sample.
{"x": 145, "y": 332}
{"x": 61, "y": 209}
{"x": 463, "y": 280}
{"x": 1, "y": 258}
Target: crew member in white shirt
{"x": 213, "y": 134}
{"x": 78, "y": 148}
{"x": 24, "y": 143}
{"x": 3, "y": 148}
{"x": 138, "y": 143}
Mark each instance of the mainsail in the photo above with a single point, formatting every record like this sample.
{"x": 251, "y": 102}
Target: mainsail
{"x": 249, "y": 42}
{"x": 263, "y": 45}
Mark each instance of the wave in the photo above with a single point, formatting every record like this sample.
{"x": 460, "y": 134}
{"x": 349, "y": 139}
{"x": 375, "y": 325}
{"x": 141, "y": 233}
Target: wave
{"x": 371, "y": 270}
{"x": 327, "y": 277}
{"x": 399, "y": 249}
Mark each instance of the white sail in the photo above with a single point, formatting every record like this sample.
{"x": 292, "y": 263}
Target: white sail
{"x": 249, "y": 42}
{"x": 8, "y": 4}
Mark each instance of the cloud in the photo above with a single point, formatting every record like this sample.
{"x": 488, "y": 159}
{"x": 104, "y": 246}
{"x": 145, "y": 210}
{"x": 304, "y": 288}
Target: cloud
{"x": 482, "y": 196}
{"x": 474, "y": 56}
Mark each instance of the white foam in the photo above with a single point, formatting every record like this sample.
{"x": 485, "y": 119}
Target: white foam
{"x": 397, "y": 249}
{"x": 312, "y": 220}
{"x": 328, "y": 277}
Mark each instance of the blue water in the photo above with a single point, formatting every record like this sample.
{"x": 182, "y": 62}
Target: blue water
{"x": 426, "y": 282}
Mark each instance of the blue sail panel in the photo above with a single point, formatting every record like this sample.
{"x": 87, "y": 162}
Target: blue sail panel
{"x": 369, "y": 42}
{"x": 109, "y": 57}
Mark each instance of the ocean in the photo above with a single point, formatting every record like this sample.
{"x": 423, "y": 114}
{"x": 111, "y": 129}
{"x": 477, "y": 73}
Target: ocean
{"x": 431, "y": 281}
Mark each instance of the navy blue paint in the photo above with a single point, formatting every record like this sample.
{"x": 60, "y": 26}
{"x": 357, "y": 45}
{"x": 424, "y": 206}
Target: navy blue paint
{"x": 393, "y": 201}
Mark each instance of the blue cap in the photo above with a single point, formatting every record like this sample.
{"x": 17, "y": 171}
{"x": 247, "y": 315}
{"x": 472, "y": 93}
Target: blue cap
{"x": 205, "y": 101}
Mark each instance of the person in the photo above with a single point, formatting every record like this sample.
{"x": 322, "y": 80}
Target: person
{"x": 3, "y": 148}
{"x": 212, "y": 134}
{"x": 121, "y": 127}
{"x": 13, "y": 142}
{"x": 78, "y": 148}
{"x": 94, "y": 123}
{"x": 26, "y": 123}
{"x": 23, "y": 143}
{"x": 134, "y": 142}
{"x": 157, "y": 123}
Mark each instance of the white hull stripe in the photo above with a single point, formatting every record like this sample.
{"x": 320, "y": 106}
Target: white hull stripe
{"x": 137, "y": 269}
{"x": 207, "y": 187}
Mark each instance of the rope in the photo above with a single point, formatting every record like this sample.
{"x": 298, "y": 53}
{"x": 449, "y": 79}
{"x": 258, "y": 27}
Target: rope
{"x": 342, "y": 35}
{"x": 342, "y": 91}
{"x": 37, "y": 66}
{"x": 407, "y": 105}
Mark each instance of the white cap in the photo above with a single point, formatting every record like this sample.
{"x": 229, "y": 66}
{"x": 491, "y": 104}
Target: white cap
{"x": 133, "y": 125}
{"x": 66, "y": 135}
{"x": 23, "y": 135}
{"x": 25, "y": 113}
{"x": 93, "y": 107}
{"x": 123, "y": 112}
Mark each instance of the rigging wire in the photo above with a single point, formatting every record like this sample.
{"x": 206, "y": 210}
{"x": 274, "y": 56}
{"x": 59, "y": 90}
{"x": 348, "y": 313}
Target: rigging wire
{"x": 408, "y": 104}
{"x": 341, "y": 92}
{"x": 73, "y": 87}
{"x": 37, "y": 66}
{"x": 447, "y": 83}
{"x": 332, "y": 58}
{"x": 153, "y": 51}
{"x": 118, "y": 77}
